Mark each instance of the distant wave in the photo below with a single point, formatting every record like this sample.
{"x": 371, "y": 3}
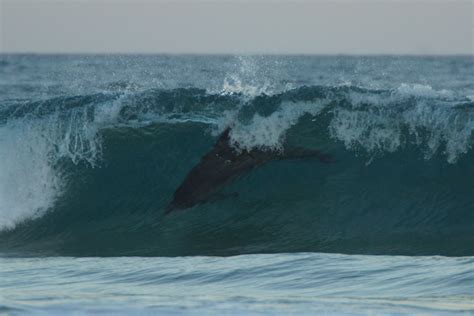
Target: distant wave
{"x": 91, "y": 174}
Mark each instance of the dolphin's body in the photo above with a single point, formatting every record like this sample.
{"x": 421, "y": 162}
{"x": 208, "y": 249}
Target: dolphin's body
{"x": 223, "y": 164}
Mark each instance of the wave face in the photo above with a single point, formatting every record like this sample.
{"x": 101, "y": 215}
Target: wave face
{"x": 92, "y": 173}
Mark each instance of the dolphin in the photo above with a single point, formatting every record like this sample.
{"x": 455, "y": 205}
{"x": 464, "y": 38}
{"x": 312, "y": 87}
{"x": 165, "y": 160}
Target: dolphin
{"x": 222, "y": 164}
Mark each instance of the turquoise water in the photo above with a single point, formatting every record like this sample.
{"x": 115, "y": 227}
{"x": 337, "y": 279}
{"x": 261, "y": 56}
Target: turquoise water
{"x": 93, "y": 148}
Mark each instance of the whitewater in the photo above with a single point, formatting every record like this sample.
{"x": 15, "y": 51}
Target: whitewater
{"x": 92, "y": 149}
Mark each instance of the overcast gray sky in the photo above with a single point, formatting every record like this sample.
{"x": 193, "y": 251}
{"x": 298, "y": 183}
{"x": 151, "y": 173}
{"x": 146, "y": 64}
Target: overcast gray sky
{"x": 261, "y": 26}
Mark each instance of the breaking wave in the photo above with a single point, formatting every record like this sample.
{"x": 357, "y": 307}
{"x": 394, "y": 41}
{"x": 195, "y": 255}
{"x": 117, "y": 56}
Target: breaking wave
{"x": 92, "y": 174}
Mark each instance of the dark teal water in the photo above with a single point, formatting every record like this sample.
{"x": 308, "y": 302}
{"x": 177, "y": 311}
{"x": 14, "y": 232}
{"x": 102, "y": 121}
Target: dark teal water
{"x": 92, "y": 149}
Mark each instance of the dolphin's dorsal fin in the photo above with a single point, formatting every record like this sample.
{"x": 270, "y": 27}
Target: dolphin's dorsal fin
{"x": 224, "y": 138}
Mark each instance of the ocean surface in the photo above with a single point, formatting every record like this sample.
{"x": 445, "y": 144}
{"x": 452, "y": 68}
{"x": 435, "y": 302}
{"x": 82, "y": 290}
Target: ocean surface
{"x": 92, "y": 149}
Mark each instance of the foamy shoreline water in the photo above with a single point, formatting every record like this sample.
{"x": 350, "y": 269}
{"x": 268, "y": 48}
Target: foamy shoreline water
{"x": 252, "y": 284}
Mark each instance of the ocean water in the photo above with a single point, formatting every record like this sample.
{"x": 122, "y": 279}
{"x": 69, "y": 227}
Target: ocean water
{"x": 92, "y": 149}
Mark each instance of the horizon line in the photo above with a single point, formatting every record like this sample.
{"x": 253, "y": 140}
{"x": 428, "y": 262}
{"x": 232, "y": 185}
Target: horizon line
{"x": 236, "y": 54}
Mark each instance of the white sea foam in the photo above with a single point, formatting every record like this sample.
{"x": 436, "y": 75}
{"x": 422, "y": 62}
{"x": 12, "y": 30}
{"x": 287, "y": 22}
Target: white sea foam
{"x": 110, "y": 111}
{"x": 28, "y": 183}
{"x": 234, "y": 85}
{"x": 425, "y": 91}
{"x": 432, "y": 122}
{"x": 375, "y": 122}
{"x": 267, "y": 132}
{"x": 29, "y": 150}
{"x": 368, "y": 130}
